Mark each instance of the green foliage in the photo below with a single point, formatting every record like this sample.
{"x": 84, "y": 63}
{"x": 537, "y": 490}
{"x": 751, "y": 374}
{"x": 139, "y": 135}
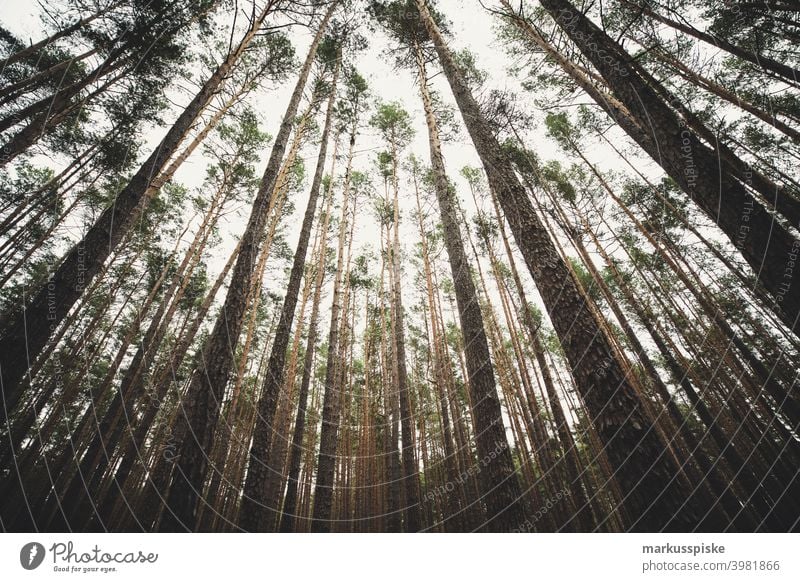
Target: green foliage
{"x": 394, "y": 124}
{"x": 385, "y": 163}
{"x": 384, "y": 211}
{"x": 475, "y": 177}
{"x": 354, "y": 100}
{"x": 486, "y": 230}
{"x": 554, "y": 174}
{"x": 402, "y": 22}
{"x": 585, "y": 279}
{"x": 559, "y": 128}
{"x": 466, "y": 62}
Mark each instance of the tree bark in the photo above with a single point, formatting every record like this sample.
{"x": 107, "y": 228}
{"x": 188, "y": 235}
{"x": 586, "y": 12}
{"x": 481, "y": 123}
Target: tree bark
{"x": 639, "y": 457}
{"x": 259, "y": 505}
{"x": 499, "y": 486}
{"x": 199, "y": 410}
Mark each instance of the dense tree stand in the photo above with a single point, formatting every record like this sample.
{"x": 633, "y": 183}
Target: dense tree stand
{"x": 484, "y": 266}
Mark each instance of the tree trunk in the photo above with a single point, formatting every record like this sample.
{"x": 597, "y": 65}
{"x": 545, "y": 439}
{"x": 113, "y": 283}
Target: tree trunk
{"x": 331, "y": 407}
{"x": 199, "y": 411}
{"x": 497, "y": 478}
{"x": 259, "y": 503}
{"x": 639, "y": 457}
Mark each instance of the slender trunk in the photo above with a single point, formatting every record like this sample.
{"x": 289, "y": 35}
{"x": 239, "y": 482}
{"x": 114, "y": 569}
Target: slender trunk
{"x": 32, "y": 49}
{"x": 296, "y": 448}
{"x": 788, "y": 73}
{"x": 259, "y": 503}
{"x": 329, "y": 432}
{"x": 497, "y": 478}
{"x": 199, "y": 410}
{"x": 131, "y": 448}
{"x": 715, "y": 88}
{"x": 410, "y": 470}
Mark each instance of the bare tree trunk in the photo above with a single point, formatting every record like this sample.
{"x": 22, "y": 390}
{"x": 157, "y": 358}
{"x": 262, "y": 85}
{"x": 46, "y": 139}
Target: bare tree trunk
{"x": 331, "y": 407}
{"x": 260, "y": 503}
{"x": 199, "y": 410}
{"x": 497, "y": 478}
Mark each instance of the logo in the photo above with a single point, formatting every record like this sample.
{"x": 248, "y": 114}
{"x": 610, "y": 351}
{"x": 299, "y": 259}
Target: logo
{"x": 31, "y": 555}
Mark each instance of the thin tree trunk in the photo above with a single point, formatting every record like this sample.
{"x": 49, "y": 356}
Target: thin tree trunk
{"x": 27, "y": 332}
{"x": 199, "y": 411}
{"x": 498, "y": 482}
{"x": 323, "y": 489}
{"x": 259, "y": 505}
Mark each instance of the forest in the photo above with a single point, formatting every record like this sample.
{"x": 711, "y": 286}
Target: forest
{"x": 400, "y": 266}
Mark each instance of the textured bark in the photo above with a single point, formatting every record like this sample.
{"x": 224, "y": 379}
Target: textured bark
{"x": 259, "y": 505}
{"x": 453, "y": 503}
{"x": 296, "y": 448}
{"x": 715, "y": 88}
{"x": 774, "y": 196}
{"x": 50, "y": 110}
{"x": 498, "y": 482}
{"x": 410, "y": 470}
{"x": 33, "y": 48}
{"x": 579, "y": 518}
{"x": 131, "y": 445}
{"x": 764, "y": 242}
{"x": 199, "y": 410}
{"x": 133, "y": 386}
{"x": 331, "y": 405}
{"x": 10, "y": 92}
{"x": 649, "y": 480}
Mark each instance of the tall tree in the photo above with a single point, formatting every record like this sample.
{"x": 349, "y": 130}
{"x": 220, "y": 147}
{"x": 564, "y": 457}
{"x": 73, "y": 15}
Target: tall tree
{"x": 394, "y": 124}
{"x": 353, "y": 104}
{"x": 258, "y": 503}
{"x": 641, "y": 460}
{"x": 196, "y": 423}
{"x": 764, "y": 241}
